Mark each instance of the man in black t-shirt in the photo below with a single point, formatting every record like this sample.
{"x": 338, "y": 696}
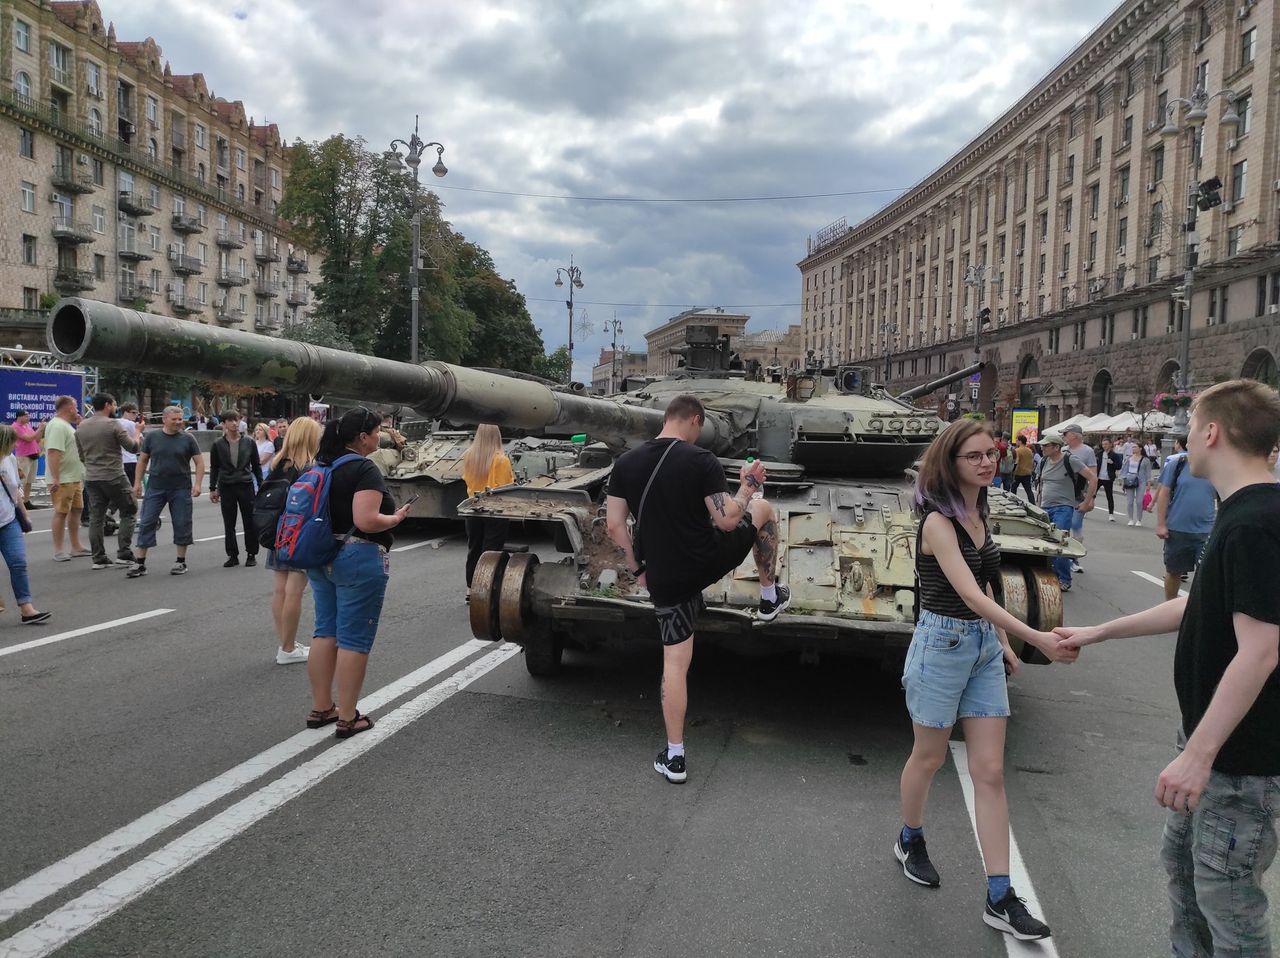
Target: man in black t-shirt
{"x": 692, "y": 533}
{"x": 1223, "y": 788}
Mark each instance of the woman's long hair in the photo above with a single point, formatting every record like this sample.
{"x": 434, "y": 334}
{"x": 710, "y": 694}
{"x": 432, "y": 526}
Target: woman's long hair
{"x": 341, "y": 432}
{"x": 8, "y": 439}
{"x": 301, "y": 442}
{"x": 938, "y": 480}
{"x": 478, "y": 460}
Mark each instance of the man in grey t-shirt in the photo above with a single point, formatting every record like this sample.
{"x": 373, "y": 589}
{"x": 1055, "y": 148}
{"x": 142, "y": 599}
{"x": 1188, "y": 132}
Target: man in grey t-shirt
{"x": 1056, "y": 493}
{"x": 167, "y": 455}
{"x": 1077, "y": 448}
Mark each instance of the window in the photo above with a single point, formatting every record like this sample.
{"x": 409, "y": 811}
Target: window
{"x": 202, "y": 214}
{"x": 93, "y": 78}
{"x": 1157, "y": 164}
{"x": 1248, "y": 46}
{"x": 204, "y": 253}
{"x": 275, "y": 178}
{"x": 155, "y": 280}
{"x": 22, "y": 84}
{"x": 1071, "y": 168}
{"x": 28, "y": 249}
{"x": 1097, "y": 150}
{"x": 30, "y": 297}
{"x": 1153, "y": 270}
{"x": 1128, "y": 131}
{"x": 153, "y": 111}
{"x": 1205, "y": 26}
{"x": 1123, "y": 184}
{"x": 99, "y": 219}
{"x": 1162, "y": 106}
{"x": 95, "y": 122}
{"x": 1044, "y": 226}
{"x": 153, "y": 237}
{"x": 1162, "y": 53}
{"x": 200, "y": 172}
{"x": 240, "y": 158}
{"x": 99, "y": 266}
{"x": 26, "y": 143}
{"x": 1122, "y": 233}
{"x": 1093, "y": 246}
{"x": 155, "y": 197}
{"x": 1066, "y": 256}
{"x": 179, "y": 203}
{"x": 240, "y": 193}
{"x": 1040, "y": 271}
{"x": 200, "y": 135}
{"x": 1202, "y": 75}
{"x": 1095, "y": 197}
{"x": 153, "y": 148}
{"x": 202, "y": 294}
{"x": 1239, "y": 174}
{"x": 22, "y": 35}
{"x": 1234, "y": 236}
{"x": 1244, "y": 110}
{"x": 1157, "y": 219}
{"x": 28, "y": 197}
{"x": 126, "y": 182}
{"x": 1066, "y": 215}
{"x": 99, "y": 172}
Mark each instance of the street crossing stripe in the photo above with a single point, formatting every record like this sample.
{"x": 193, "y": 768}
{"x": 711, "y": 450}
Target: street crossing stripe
{"x": 1153, "y": 579}
{"x": 1019, "y": 877}
{"x": 53, "y": 878}
{"x": 426, "y": 542}
{"x": 88, "y": 629}
{"x": 77, "y": 916}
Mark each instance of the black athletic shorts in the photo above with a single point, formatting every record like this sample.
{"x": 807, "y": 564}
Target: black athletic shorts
{"x": 676, "y": 622}
{"x": 1182, "y": 551}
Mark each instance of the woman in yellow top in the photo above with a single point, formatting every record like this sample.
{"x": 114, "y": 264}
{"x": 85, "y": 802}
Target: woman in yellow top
{"x": 485, "y": 466}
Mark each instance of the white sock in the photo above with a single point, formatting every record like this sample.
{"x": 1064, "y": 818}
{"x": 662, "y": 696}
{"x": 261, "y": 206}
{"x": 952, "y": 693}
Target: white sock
{"x": 674, "y": 750}
{"x": 769, "y": 592}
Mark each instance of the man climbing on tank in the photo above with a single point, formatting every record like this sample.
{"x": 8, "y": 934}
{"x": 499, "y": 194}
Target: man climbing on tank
{"x": 691, "y": 532}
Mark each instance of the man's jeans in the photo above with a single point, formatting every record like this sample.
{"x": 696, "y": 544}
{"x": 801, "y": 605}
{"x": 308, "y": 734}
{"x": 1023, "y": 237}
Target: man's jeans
{"x": 179, "y": 503}
{"x": 1061, "y": 517}
{"x": 104, "y": 494}
{"x": 1215, "y": 858}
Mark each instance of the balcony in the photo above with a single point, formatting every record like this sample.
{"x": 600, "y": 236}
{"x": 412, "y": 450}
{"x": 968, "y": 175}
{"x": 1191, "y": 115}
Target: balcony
{"x": 227, "y": 278}
{"x": 184, "y": 265}
{"x": 135, "y": 203}
{"x": 262, "y": 178}
{"x": 230, "y": 239}
{"x": 182, "y": 304}
{"x": 177, "y": 139}
{"x": 297, "y": 297}
{"x": 297, "y": 264}
{"x": 63, "y": 77}
{"x": 67, "y": 230}
{"x": 186, "y": 223}
{"x": 229, "y": 314}
{"x": 70, "y": 180}
{"x": 72, "y": 280}
{"x": 266, "y": 254}
{"x": 265, "y": 287}
{"x": 265, "y": 325}
{"x": 135, "y": 292}
{"x": 132, "y": 248}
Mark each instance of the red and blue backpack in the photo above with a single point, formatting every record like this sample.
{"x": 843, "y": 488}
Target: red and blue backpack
{"x": 304, "y": 536}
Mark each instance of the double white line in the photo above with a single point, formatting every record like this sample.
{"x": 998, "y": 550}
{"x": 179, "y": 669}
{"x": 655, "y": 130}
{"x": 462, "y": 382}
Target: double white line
{"x": 97, "y": 904}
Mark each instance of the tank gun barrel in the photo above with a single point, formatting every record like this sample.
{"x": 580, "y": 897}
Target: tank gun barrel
{"x": 96, "y": 333}
{"x": 925, "y": 388}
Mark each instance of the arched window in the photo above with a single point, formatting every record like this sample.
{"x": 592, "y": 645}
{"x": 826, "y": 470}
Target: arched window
{"x": 200, "y": 172}
{"x": 95, "y": 121}
{"x": 22, "y": 84}
{"x": 153, "y": 148}
{"x": 240, "y": 192}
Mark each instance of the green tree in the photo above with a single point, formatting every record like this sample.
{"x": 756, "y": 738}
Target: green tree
{"x": 554, "y": 365}
{"x": 503, "y": 335}
{"x": 318, "y": 331}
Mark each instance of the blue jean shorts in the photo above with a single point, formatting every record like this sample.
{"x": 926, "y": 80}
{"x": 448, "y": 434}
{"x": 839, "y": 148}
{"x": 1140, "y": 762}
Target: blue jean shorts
{"x": 954, "y": 670}
{"x": 349, "y": 593}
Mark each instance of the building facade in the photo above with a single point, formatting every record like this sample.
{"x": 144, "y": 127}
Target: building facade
{"x": 1055, "y": 245}
{"x": 670, "y": 335}
{"x": 772, "y": 347}
{"x": 612, "y": 370}
{"x": 127, "y": 183}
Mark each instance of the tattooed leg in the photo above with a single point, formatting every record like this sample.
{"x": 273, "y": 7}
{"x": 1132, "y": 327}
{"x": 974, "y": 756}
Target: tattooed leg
{"x": 765, "y": 549}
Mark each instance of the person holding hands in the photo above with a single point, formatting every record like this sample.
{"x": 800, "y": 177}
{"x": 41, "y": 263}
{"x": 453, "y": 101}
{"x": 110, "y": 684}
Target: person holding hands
{"x": 1222, "y": 789}
{"x": 957, "y": 662}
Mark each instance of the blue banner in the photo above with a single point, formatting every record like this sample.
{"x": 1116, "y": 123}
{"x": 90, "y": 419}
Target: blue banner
{"x": 36, "y": 390}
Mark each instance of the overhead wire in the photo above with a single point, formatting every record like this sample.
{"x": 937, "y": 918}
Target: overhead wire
{"x": 667, "y": 199}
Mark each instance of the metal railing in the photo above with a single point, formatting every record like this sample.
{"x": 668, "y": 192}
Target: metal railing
{"x": 74, "y": 279}
{"x": 134, "y": 248}
{"x": 177, "y": 139}
{"x": 266, "y": 287}
{"x": 226, "y": 277}
{"x": 67, "y": 177}
{"x": 61, "y": 76}
{"x": 297, "y": 297}
{"x": 297, "y": 264}
{"x": 184, "y": 264}
{"x": 68, "y": 230}
{"x": 135, "y": 203}
{"x": 230, "y": 239}
{"x": 266, "y": 254}
{"x": 186, "y": 223}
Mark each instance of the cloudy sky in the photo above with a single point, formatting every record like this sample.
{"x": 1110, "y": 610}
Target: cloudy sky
{"x": 635, "y": 99}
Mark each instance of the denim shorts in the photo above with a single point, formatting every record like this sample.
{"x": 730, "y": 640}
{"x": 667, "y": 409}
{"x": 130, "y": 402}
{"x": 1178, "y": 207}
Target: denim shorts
{"x": 349, "y": 593}
{"x": 1182, "y": 551}
{"x": 954, "y": 669}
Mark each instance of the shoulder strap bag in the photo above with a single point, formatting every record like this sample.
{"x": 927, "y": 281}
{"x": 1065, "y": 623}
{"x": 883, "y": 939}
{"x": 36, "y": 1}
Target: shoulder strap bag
{"x": 19, "y": 513}
{"x": 635, "y": 526}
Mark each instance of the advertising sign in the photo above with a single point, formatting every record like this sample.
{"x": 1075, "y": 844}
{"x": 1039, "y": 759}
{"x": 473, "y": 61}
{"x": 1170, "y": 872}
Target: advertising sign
{"x": 36, "y": 390}
{"x": 1026, "y": 422}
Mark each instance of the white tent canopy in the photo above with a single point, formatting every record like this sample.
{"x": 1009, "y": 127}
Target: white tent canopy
{"x": 1079, "y": 418}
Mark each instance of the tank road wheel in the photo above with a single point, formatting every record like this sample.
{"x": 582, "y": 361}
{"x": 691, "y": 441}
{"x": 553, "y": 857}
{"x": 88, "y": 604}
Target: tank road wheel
{"x": 1046, "y": 597}
{"x": 1016, "y": 583}
{"x": 518, "y": 622}
{"x": 485, "y": 585}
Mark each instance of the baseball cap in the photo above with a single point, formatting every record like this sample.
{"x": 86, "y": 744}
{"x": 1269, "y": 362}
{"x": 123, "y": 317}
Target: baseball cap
{"x": 1052, "y": 437}
{"x": 1073, "y": 427}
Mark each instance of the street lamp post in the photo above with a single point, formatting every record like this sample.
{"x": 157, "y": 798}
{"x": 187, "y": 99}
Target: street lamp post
{"x": 1198, "y": 197}
{"x": 615, "y": 326}
{"x": 975, "y": 277}
{"x": 416, "y": 147}
{"x": 574, "y": 275}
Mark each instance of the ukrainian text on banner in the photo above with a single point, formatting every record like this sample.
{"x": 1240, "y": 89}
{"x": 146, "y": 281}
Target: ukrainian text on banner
{"x": 36, "y": 390}
{"x": 1026, "y": 422}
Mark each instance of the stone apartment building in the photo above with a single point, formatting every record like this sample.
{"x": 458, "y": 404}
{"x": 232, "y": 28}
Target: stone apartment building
{"x": 1070, "y": 219}
{"x": 772, "y": 347}
{"x": 128, "y": 183}
{"x": 612, "y": 370}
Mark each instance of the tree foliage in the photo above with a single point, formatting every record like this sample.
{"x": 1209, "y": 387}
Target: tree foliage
{"x": 554, "y": 366}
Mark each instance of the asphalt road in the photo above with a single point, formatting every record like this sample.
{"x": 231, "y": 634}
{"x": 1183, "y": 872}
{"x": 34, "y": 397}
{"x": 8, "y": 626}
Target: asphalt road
{"x": 161, "y": 797}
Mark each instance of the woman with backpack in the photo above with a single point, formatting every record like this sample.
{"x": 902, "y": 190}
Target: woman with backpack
{"x": 295, "y": 456}
{"x": 1134, "y": 476}
{"x": 349, "y": 590}
{"x": 484, "y": 466}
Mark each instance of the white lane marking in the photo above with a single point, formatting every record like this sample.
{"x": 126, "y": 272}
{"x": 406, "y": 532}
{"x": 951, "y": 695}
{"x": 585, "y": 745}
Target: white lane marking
{"x": 1018, "y": 873}
{"x": 1153, "y": 579}
{"x": 77, "y": 916}
{"x": 434, "y": 543}
{"x": 207, "y": 539}
{"x": 53, "y": 878}
{"x": 49, "y": 639}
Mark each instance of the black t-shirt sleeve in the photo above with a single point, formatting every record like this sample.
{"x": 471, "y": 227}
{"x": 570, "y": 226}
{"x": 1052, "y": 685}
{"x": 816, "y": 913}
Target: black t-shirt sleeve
{"x": 712, "y": 478}
{"x": 1252, "y": 566}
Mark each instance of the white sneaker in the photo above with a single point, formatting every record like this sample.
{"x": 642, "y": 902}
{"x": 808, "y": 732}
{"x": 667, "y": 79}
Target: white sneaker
{"x": 1111, "y": 518}
{"x": 62, "y": 557}
{"x": 299, "y": 654}
{"x": 1130, "y": 522}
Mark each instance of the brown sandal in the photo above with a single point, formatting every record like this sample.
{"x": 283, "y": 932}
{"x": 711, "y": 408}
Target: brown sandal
{"x": 345, "y": 729}
{"x": 319, "y": 719}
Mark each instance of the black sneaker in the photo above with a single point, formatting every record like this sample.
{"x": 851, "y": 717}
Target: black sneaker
{"x": 231, "y": 562}
{"x": 769, "y": 610}
{"x": 1010, "y": 915}
{"x": 126, "y": 555}
{"x": 915, "y": 862}
{"x": 670, "y": 768}
{"x": 136, "y": 570}
{"x": 250, "y": 561}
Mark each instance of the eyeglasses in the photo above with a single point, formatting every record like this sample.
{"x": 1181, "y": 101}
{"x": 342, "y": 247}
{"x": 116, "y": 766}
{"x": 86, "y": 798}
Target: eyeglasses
{"x": 974, "y": 458}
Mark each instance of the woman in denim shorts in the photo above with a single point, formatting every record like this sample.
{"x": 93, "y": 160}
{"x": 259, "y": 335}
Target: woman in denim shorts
{"x": 957, "y": 661}
{"x": 349, "y": 591}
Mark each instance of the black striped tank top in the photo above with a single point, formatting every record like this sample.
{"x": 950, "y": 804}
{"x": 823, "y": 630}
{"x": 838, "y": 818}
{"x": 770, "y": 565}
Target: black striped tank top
{"x": 936, "y": 593}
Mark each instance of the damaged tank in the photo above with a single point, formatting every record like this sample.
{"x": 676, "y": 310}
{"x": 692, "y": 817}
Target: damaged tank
{"x": 838, "y": 449}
